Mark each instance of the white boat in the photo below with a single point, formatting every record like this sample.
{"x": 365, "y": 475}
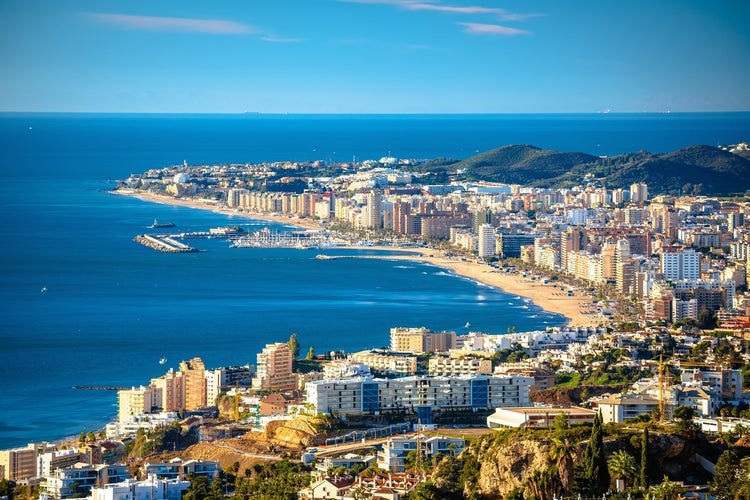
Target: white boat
{"x": 162, "y": 361}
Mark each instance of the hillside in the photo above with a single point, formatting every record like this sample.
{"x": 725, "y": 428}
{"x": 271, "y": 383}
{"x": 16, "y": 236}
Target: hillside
{"x": 521, "y": 164}
{"x": 511, "y": 461}
{"x": 693, "y": 170}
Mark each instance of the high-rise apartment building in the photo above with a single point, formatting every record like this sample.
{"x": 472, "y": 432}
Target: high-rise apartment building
{"x": 486, "y": 241}
{"x": 638, "y": 192}
{"x": 135, "y": 401}
{"x": 169, "y": 391}
{"x": 624, "y": 267}
{"x": 274, "y": 368}
{"x": 480, "y": 217}
{"x": 680, "y": 264}
{"x": 215, "y": 380}
{"x": 194, "y": 373}
{"x": 574, "y": 239}
{"x": 374, "y": 210}
{"x": 401, "y": 209}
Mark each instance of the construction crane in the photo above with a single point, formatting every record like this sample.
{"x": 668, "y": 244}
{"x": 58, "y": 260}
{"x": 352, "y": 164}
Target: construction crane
{"x": 665, "y": 408}
{"x": 236, "y": 402}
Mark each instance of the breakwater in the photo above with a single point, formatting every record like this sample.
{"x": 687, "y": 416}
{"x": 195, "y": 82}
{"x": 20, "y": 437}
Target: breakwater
{"x": 163, "y": 243}
{"x": 98, "y": 388}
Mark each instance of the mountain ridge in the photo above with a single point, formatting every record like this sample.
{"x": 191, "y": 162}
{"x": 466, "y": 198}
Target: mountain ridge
{"x": 698, "y": 169}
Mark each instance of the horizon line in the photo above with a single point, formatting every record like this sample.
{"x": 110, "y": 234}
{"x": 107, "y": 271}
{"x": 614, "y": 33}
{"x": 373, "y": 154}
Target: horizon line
{"x": 365, "y": 113}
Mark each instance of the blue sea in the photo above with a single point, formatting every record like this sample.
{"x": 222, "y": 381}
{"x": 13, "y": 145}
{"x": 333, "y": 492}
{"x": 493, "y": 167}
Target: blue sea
{"x": 82, "y": 304}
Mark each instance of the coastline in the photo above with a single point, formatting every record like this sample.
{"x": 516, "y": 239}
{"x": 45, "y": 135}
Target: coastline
{"x": 575, "y": 308}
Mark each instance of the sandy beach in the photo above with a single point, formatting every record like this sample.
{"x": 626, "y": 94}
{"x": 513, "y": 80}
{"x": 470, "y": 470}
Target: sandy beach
{"x": 549, "y": 297}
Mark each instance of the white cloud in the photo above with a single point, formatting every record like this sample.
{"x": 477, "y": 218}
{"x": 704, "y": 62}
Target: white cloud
{"x": 454, "y": 9}
{"x": 173, "y": 24}
{"x": 491, "y": 29}
{"x": 278, "y": 39}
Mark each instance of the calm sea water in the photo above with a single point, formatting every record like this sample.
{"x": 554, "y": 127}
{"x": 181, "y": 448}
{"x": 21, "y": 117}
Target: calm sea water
{"x": 112, "y": 308}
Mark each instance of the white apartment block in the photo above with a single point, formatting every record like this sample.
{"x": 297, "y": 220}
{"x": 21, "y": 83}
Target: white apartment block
{"x": 423, "y": 394}
{"x": 215, "y": 380}
{"x": 79, "y": 479}
{"x": 344, "y": 369}
{"x": 680, "y": 264}
{"x": 486, "y": 241}
{"x": 621, "y": 407}
{"x": 392, "y": 363}
{"x": 638, "y": 192}
{"x": 393, "y": 455}
{"x": 441, "y": 366}
{"x": 130, "y": 427}
{"x": 149, "y": 489}
{"x": 135, "y": 401}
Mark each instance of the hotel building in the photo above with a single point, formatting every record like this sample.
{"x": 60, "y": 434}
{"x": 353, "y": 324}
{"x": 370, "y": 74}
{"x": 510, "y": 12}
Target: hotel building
{"x": 419, "y": 394}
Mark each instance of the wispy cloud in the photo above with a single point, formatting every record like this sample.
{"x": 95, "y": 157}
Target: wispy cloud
{"x": 173, "y": 24}
{"x": 453, "y": 9}
{"x": 491, "y": 29}
{"x": 278, "y": 39}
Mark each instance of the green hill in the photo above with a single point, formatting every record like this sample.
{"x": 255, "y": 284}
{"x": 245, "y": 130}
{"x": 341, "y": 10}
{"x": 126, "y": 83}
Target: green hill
{"x": 692, "y": 170}
{"x": 520, "y": 164}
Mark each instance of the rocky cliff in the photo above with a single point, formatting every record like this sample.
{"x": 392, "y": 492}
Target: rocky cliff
{"x": 507, "y": 461}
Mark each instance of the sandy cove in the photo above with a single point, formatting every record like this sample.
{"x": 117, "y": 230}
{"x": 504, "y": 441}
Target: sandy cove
{"x": 577, "y": 308}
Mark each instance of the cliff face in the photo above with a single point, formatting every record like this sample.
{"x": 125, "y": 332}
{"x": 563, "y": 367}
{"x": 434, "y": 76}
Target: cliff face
{"x": 506, "y": 467}
{"x": 508, "y": 464}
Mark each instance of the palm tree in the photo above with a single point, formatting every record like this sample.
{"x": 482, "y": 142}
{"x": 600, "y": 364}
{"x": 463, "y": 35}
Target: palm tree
{"x": 563, "y": 453}
{"x": 666, "y": 490}
{"x": 622, "y": 465}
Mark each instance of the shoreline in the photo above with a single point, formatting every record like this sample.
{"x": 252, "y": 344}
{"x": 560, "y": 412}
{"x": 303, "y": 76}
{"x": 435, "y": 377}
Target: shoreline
{"x": 575, "y": 308}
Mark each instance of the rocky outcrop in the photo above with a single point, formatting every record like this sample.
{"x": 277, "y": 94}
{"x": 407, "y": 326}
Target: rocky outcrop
{"x": 292, "y": 434}
{"x": 507, "y": 466}
{"x": 507, "y": 460}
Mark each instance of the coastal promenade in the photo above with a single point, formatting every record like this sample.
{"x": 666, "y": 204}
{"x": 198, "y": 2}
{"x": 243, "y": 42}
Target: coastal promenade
{"x": 576, "y": 307}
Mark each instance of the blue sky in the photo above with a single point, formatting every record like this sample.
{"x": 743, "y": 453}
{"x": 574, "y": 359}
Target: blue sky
{"x": 374, "y": 56}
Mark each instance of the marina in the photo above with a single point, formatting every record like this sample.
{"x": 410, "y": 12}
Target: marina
{"x": 265, "y": 238}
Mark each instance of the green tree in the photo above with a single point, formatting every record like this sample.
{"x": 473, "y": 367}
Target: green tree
{"x": 294, "y": 345}
{"x": 563, "y": 452}
{"x": 544, "y": 484}
{"x": 198, "y": 490}
{"x": 425, "y": 491}
{"x": 310, "y": 354}
{"x": 5, "y": 488}
{"x": 684, "y": 416}
{"x": 666, "y": 490}
{"x": 416, "y": 459}
{"x": 742, "y": 489}
{"x": 706, "y": 319}
{"x": 560, "y": 424}
{"x": 726, "y": 474}
{"x": 622, "y": 465}
{"x": 643, "y": 476}
{"x": 592, "y": 476}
